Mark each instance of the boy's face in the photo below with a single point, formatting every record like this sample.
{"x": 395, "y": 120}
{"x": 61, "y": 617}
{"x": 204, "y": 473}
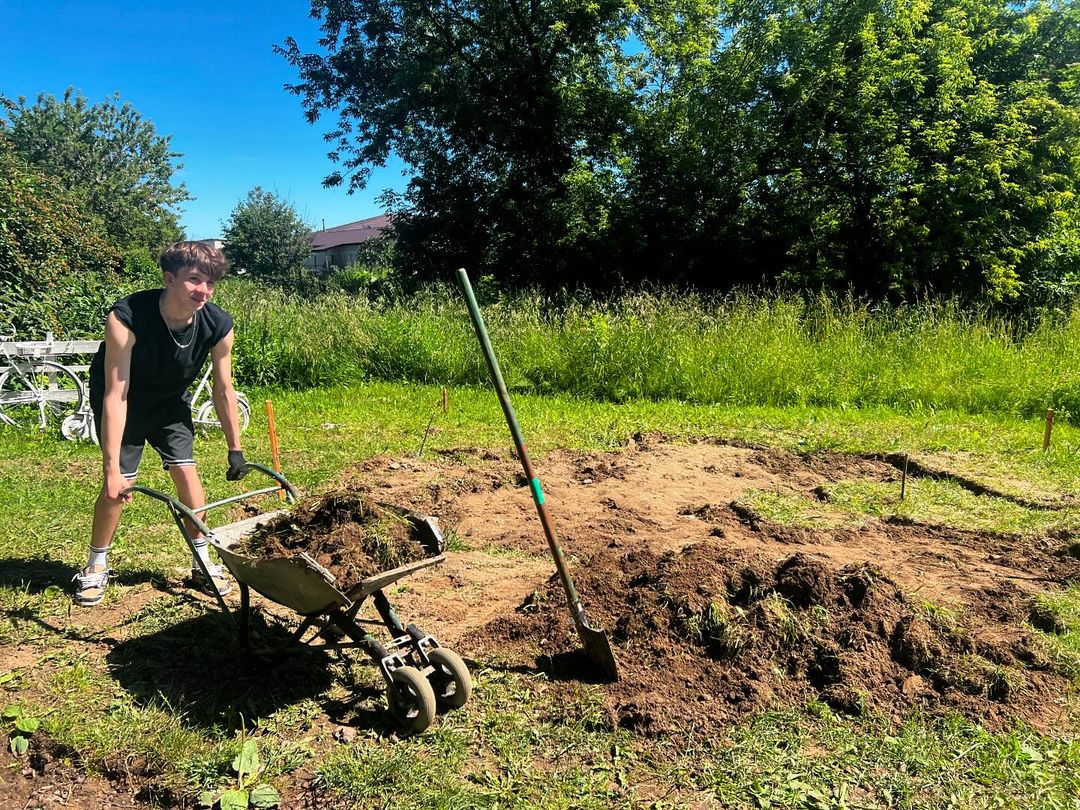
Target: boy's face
{"x": 190, "y": 286}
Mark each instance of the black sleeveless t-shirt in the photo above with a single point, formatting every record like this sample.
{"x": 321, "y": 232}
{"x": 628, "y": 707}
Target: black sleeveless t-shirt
{"x": 161, "y": 370}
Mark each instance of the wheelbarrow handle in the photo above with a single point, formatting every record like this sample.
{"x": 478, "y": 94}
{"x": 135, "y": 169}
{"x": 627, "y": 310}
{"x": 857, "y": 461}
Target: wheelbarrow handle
{"x": 290, "y": 490}
{"x": 184, "y": 511}
{"x": 177, "y": 507}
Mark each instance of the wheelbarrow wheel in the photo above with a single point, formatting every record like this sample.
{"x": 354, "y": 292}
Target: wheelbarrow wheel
{"x": 450, "y": 679}
{"x": 411, "y": 699}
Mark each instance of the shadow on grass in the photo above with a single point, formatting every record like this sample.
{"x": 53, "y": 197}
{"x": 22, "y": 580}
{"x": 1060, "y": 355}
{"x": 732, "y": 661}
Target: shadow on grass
{"x": 196, "y": 669}
{"x": 36, "y": 574}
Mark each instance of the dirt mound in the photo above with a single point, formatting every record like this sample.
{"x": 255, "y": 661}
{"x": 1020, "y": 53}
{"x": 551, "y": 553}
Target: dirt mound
{"x": 345, "y": 534}
{"x": 715, "y": 612}
{"x": 705, "y": 635}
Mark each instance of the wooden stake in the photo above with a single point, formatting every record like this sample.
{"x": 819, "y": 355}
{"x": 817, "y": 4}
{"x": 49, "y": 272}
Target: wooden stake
{"x": 903, "y": 478}
{"x": 273, "y": 443}
{"x": 445, "y": 401}
{"x": 427, "y": 432}
{"x": 1049, "y": 427}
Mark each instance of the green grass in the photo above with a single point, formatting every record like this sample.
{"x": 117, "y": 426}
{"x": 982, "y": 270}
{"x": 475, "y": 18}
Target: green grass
{"x": 125, "y": 699}
{"x": 792, "y": 510}
{"x": 943, "y": 503}
{"x": 751, "y": 350}
{"x": 1057, "y": 616}
{"x": 949, "y": 504}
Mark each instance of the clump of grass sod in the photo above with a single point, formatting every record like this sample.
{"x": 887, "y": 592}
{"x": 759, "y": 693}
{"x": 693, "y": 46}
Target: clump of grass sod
{"x": 740, "y": 349}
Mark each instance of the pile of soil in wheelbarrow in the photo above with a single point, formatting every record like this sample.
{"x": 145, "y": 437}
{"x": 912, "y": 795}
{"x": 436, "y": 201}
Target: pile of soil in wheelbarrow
{"x": 715, "y": 612}
{"x": 350, "y": 537}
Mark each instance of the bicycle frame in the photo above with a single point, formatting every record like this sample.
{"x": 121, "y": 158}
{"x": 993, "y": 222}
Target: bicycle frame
{"x": 204, "y": 414}
{"x": 201, "y": 388}
{"x": 33, "y": 393}
{"x": 29, "y": 392}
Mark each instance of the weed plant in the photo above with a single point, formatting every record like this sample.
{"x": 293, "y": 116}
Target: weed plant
{"x": 743, "y": 349}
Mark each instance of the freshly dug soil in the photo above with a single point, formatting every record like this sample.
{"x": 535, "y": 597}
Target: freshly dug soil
{"x": 706, "y": 634}
{"x": 350, "y": 537}
{"x": 714, "y": 612}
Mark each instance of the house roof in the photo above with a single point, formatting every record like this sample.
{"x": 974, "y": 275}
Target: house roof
{"x": 352, "y": 233}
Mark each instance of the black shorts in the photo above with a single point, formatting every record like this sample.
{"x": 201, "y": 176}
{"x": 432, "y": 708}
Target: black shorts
{"x": 167, "y": 427}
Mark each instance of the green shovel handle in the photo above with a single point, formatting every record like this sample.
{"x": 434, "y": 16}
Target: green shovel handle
{"x": 519, "y": 441}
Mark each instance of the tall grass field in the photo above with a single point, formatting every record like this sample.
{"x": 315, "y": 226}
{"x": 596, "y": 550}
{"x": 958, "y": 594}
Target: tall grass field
{"x": 743, "y": 349}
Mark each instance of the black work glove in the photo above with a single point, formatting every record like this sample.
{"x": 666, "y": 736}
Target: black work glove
{"x": 238, "y": 467}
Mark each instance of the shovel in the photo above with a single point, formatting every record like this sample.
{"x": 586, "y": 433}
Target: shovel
{"x": 594, "y": 640}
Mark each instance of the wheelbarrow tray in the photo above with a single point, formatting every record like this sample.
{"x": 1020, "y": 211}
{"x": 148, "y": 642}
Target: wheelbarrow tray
{"x": 299, "y": 582}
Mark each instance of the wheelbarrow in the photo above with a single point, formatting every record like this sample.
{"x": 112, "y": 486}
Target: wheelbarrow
{"x": 421, "y": 675}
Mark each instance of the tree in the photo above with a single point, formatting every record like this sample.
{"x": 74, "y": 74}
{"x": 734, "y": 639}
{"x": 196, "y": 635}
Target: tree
{"x": 110, "y": 155}
{"x": 910, "y": 148}
{"x": 58, "y": 272}
{"x": 501, "y": 108}
{"x": 267, "y": 238}
{"x": 894, "y": 149}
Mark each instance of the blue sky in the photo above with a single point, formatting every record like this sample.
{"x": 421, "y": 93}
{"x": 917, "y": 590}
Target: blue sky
{"x": 204, "y": 73}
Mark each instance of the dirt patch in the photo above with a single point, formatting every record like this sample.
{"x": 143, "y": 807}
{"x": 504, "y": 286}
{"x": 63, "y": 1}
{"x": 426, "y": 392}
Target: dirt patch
{"x": 346, "y": 534}
{"x": 714, "y": 616}
{"x": 706, "y": 635}
{"x": 48, "y": 776}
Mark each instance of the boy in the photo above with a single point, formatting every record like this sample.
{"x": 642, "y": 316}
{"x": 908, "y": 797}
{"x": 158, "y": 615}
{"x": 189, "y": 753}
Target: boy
{"x": 156, "y": 342}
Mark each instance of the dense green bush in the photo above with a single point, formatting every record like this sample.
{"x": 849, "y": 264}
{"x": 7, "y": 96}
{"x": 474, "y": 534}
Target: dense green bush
{"x": 57, "y": 271}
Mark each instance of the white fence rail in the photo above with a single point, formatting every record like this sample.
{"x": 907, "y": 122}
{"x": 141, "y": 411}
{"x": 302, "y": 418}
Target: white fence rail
{"x": 48, "y": 349}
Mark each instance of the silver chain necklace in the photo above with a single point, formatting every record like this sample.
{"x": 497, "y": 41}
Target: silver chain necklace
{"x": 192, "y": 327}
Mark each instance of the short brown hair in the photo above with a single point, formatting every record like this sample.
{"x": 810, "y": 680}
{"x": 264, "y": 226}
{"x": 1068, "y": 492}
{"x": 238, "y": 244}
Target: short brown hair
{"x": 203, "y": 257}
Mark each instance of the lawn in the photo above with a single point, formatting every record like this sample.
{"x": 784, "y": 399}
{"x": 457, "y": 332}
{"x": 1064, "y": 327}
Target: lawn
{"x": 148, "y": 696}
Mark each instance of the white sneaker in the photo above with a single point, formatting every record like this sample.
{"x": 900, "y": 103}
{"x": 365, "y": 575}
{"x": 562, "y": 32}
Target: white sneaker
{"x": 91, "y": 585}
{"x": 218, "y": 580}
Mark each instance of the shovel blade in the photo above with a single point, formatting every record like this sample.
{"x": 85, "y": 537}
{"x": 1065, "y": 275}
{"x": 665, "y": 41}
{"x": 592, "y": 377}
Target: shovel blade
{"x": 597, "y": 646}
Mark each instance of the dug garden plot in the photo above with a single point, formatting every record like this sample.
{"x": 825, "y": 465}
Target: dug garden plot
{"x": 715, "y": 612}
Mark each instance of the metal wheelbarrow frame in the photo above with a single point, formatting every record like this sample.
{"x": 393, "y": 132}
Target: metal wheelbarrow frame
{"x": 421, "y": 675}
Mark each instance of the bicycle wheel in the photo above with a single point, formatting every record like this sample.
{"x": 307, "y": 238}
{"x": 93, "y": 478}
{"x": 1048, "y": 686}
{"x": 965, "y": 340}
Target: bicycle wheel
{"x": 38, "y": 393}
{"x": 207, "y": 416}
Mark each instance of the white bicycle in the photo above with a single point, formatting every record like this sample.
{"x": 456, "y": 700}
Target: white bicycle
{"x": 35, "y": 392}
{"x": 202, "y": 406}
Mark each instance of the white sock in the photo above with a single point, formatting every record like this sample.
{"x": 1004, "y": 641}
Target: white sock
{"x": 202, "y": 551}
{"x": 98, "y": 556}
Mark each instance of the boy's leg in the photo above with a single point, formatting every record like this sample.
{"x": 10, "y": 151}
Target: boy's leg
{"x": 107, "y": 512}
{"x": 93, "y": 578}
{"x": 189, "y": 489}
{"x": 175, "y": 443}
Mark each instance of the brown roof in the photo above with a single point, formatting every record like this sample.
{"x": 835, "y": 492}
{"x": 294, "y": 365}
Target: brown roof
{"x": 352, "y": 233}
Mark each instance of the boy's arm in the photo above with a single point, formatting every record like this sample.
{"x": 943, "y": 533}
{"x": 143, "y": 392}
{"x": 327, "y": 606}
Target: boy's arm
{"x": 225, "y": 398}
{"x": 119, "y": 341}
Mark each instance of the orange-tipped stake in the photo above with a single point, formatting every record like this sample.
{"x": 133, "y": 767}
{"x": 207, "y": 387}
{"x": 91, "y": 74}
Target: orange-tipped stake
{"x": 273, "y": 442}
